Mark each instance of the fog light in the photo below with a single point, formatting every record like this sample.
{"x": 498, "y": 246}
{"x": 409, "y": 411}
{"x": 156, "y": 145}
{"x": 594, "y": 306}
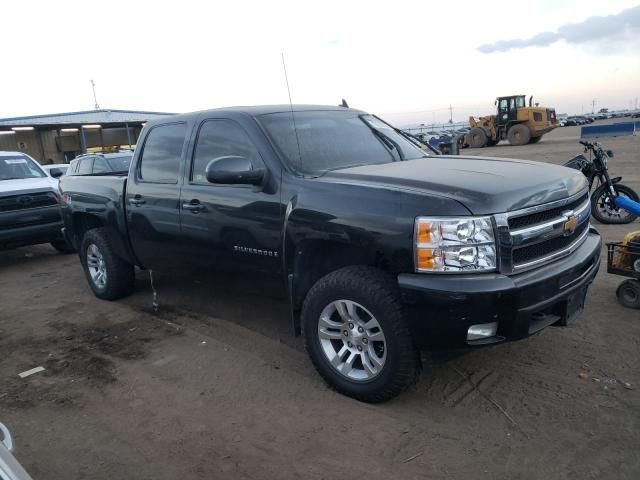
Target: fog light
{"x": 482, "y": 330}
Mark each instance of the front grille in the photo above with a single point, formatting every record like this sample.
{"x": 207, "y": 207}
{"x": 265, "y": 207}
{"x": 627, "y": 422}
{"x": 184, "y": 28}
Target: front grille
{"x": 546, "y": 248}
{"x": 545, "y": 215}
{"x": 538, "y": 235}
{"x": 27, "y": 201}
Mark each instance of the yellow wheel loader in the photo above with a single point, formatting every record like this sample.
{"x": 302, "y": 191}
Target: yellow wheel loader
{"x": 514, "y": 121}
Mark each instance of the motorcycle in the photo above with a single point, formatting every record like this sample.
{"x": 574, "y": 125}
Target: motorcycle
{"x": 604, "y": 207}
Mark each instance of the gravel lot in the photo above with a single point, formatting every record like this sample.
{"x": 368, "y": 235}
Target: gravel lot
{"x": 215, "y": 385}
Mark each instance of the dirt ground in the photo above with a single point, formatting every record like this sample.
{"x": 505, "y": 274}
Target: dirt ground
{"x": 215, "y": 386}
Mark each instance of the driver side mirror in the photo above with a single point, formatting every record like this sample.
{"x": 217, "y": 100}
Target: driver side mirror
{"x": 234, "y": 170}
{"x": 55, "y": 172}
{"x": 610, "y": 153}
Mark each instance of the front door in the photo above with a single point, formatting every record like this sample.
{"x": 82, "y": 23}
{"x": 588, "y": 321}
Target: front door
{"x": 153, "y": 197}
{"x": 229, "y": 226}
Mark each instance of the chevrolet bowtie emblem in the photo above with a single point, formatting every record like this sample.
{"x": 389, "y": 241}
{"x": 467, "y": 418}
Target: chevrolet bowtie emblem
{"x": 570, "y": 225}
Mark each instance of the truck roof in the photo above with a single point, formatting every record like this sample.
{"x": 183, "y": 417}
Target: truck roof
{"x": 253, "y": 111}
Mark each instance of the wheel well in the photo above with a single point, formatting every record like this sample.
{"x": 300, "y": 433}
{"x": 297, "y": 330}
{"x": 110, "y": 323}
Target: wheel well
{"x": 83, "y": 222}
{"x": 313, "y": 260}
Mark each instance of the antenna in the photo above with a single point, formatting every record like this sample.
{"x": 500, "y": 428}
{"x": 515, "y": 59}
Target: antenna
{"x": 93, "y": 86}
{"x": 293, "y": 118}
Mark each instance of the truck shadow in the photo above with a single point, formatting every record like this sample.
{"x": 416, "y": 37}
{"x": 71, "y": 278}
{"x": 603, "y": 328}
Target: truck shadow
{"x": 255, "y": 302}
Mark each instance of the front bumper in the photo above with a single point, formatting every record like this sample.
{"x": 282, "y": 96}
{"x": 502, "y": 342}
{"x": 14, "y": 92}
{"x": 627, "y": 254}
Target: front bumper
{"x": 30, "y": 235}
{"x": 30, "y": 226}
{"x": 443, "y": 307}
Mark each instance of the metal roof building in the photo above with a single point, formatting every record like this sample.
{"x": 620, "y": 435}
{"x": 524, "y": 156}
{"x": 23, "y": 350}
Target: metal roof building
{"x": 59, "y": 137}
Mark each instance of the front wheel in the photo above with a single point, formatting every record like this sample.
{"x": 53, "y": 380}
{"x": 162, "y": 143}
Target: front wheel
{"x": 357, "y": 335}
{"x": 477, "y": 138}
{"x": 604, "y": 209}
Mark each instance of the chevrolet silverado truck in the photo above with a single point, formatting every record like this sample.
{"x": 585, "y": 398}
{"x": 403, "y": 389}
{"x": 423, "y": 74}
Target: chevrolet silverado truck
{"x": 29, "y": 204}
{"x": 382, "y": 248}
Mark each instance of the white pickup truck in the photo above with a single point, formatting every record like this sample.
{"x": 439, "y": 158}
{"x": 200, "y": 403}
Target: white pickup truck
{"x": 29, "y": 204}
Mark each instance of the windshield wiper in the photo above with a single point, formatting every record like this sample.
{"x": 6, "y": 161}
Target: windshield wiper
{"x": 388, "y": 141}
{"x": 412, "y": 138}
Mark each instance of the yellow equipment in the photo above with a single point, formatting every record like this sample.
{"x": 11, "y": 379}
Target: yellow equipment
{"x": 514, "y": 122}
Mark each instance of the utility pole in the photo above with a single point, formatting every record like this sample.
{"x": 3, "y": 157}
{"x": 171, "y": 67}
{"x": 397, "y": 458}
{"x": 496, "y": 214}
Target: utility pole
{"x": 593, "y": 106}
{"x": 636, "y": 103}
{"x": 450, "y": 114}
{"x": 93, "y": 86}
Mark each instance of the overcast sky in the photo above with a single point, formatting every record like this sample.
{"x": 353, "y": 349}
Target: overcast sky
{"x": 405, "y": 60}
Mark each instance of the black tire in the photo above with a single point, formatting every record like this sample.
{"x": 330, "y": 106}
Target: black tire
{"x": 377, "y": 293}
{"x": 120, "y": 275}
{"x": 628, "y": 294}
{"x": 599, "y": 202}
{"x": 62, "y": 246}
{"x": 477, "y": 138}
{"x": 535, "y": 139}
{"x": 519, "y": 134}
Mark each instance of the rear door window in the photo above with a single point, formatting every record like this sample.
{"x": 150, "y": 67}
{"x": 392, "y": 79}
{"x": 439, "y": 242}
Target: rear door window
{"x": 100, "y": 165}
{"x": 161, "y": 154}
{"x": 86, "y": 166}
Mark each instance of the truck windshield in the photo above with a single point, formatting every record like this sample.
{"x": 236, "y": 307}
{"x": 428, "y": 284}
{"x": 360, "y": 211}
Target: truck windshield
{"x": 331, "y": 140}
{"x": 12, "y": 168}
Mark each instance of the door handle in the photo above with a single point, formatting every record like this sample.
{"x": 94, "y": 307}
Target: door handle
{"x": 136, "y": 201}
{"x": 194, "y": 206}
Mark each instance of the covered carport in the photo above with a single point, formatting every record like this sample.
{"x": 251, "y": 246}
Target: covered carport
{"x": 60, "y": 137}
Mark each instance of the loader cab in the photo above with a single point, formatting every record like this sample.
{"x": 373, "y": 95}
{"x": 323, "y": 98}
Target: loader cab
{"x": 508, "y": 108}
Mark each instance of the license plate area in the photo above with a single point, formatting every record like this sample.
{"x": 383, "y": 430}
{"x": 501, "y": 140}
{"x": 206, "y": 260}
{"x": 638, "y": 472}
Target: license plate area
{"x": 573, "y": 307}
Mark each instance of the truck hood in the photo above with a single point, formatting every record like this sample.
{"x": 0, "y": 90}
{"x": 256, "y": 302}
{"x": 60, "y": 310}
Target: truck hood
{"x": 483, "y": 185}
{"x": 19, "y": 185}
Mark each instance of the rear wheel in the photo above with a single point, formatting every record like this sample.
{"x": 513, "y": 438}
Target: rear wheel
{"x": 477, "y": 138}
{"x": 519, "y": 134}
{"x": 604, "y": 209}
{"x": 109, "y": 276}
{"x": 357, "y": 336}
{"x": 629, "y": 293}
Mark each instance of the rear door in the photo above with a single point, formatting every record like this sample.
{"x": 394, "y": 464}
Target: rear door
{"x": 236, "y": 227}
{"x": 153, "y": 196}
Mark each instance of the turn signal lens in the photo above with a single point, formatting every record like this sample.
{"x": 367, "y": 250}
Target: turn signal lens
{"x": 428, "y": 259}
{"x": 424, "y": 233}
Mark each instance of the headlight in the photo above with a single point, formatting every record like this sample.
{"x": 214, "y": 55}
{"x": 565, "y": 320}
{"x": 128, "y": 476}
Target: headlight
{"x": 454, "y": 244}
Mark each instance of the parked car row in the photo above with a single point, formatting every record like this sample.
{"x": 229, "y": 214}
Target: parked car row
{"x": 577, "y": 120}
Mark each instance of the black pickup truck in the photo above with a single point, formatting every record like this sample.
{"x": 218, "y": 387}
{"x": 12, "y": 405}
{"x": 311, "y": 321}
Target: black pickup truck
{"x": 384, "y": 249}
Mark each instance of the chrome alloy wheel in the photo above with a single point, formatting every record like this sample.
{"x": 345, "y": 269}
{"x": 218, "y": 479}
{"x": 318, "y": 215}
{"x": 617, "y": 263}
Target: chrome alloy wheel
{"x": 352, "y": 340}
{"x": 96, "y": 266}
